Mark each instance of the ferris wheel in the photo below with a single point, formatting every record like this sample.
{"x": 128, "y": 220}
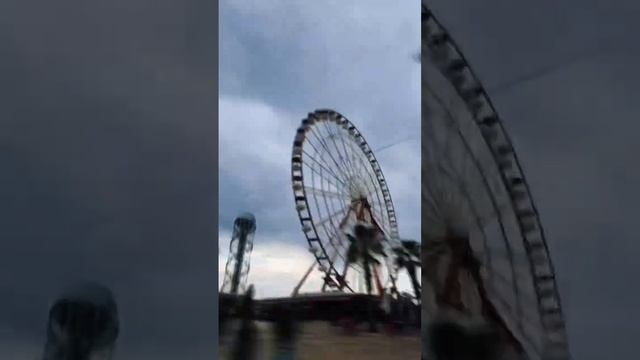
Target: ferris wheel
{"x": 338, "y": 184}
{"x": 484, "y": 249}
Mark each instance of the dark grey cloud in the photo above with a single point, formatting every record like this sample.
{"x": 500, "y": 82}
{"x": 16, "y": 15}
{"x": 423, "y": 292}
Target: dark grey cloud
{"x": 355, "y": 57}
{"x": 575, "y": 131}
{"x": 108, "y": 148}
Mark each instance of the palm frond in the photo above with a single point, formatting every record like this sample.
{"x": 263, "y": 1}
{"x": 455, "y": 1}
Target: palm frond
{"x": 351, "y": 238}
{"x": 373, "y": 259}
{"x": 352, "y": 253}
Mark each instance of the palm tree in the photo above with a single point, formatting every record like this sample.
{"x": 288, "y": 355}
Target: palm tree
{"x": 408, "y": 258}
{"x": 364, "y": 245}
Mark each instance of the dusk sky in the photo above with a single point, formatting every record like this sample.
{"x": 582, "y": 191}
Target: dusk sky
{"x": 574, "y": 130}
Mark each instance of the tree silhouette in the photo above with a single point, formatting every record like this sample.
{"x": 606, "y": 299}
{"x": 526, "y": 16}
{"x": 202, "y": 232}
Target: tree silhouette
{"x": 408, "y": 258}
{"x": 365, "y": 245}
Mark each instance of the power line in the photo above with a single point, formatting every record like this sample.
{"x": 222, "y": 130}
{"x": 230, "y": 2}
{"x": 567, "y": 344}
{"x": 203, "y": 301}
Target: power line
{"x": 394, "y": 144}
{"x": 551, "y": 68}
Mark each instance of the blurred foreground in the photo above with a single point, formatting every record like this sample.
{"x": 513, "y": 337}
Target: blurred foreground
{"x": 316, "y": 340}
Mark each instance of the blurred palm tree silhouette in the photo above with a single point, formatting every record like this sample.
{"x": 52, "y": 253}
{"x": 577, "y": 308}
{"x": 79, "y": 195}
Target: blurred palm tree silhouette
{"x": 408, "y": 258}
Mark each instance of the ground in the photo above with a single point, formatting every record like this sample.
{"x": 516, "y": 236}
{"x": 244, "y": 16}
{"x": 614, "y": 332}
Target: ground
{"x": 320, "y": 341}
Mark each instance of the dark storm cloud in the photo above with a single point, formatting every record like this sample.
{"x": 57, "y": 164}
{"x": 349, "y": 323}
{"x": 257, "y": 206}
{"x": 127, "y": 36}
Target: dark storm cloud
{"x": 271, "y": 216}
{"x": 354, "y": 57}
{"x": 575, "y": 131}
{"x": 300, "y": 57}
{"x": 108, "y": 155}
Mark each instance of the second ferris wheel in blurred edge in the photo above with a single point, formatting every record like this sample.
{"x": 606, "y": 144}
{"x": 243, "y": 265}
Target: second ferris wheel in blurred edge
{"x": 484, "y": 250}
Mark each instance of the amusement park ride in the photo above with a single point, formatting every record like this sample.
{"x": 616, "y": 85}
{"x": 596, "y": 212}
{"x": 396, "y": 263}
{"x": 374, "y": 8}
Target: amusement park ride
{"x": 238, "y": 262}
{"x": 344, "y": 206}
{"x": 484, "y": 256}
{"x": 83, "y": 324}
{"x": 347, "y": 218}
{"x": 484, "y": 250}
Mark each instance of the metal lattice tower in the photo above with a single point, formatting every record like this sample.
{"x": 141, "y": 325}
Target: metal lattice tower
{"x": 83, "y": 324}
{"x": 237, "y": 268}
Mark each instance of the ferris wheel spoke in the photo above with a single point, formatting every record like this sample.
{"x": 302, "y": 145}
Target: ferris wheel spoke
{"x": 526, "y": 300}
{"x": 324, "y": 149}
{"x": 322, "y": 192}
{"x": 517, "y": 327}
{"x": 316, "y": 151}
{"x": 336, "y": 227}
{"x": 447, "y": 147}
{"x": 432, "y": 200}
{"x": 324, "y": 145}
{"x": 326, "y": 219}
{"x": 354, "y": 159}
{"x": 343, "y": 159}
{"x": 524, "y": 323}
{"x": 479, "y": 220}
{"x": 518, "y": 321}
{"x": 316, "y": 198}
{"x": 451, "y": 118}
{"x": 368, "y": 170}
{"x": 368, "y": 178}
{"x": 325, "y": 164}
{"x": 351, "y": 156}
{"x": 331, "y": 223}
{"x": 329, "y": 172}
{"x": 323, "y": 140}
{"x": 494, "y": 211}
{"x": 476, "y": 163}
{"x": 336, "y": 245}
{"x": 501, "y": 256}
{"x": 432, "y": 210}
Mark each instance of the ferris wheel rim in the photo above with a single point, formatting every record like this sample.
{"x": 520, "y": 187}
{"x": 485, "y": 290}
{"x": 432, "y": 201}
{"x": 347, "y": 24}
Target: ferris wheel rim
{"x": 317, "y": 245}
{"x": 476, "y": 97}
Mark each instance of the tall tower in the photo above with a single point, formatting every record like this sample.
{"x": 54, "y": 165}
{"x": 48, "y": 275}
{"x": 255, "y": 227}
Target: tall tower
{"x": 83, "y": 324}
{"x": 237, "y": 268}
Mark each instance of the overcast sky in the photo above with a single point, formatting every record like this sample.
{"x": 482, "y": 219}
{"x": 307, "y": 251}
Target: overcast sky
{"x": 280, "y": 60}
{"x": 108, "y": 154}
{"x": 109, "y": 160}
{"x": 575, "y": 131}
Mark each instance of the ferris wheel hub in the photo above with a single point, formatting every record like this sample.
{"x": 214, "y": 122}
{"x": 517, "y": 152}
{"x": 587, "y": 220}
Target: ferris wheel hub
{"x": 357, "y": 190}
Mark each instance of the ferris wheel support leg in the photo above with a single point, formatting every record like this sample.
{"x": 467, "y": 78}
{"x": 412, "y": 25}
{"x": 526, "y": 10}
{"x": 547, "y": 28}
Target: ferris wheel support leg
{"x": 492, "y": 313}
{"x": 344, "y": 276}
{"x": 304, "y": 278}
